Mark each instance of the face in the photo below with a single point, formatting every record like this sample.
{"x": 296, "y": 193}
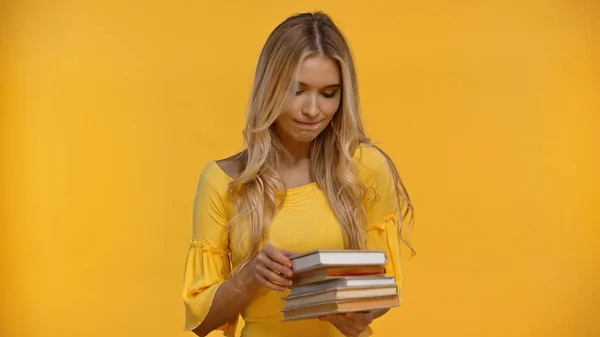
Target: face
{"x": 312, "y": 107}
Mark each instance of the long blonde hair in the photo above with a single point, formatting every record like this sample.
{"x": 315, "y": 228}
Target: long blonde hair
{"x": 256, "y": 191}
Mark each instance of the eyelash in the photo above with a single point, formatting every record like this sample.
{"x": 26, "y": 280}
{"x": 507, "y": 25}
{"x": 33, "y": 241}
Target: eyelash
{"x": 324, "y": 94}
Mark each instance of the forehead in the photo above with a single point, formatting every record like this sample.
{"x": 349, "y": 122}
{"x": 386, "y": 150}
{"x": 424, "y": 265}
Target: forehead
{"x": 318, "y": 71}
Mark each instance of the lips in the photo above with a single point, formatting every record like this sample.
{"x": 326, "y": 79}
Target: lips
{"x": 308, "y": 125}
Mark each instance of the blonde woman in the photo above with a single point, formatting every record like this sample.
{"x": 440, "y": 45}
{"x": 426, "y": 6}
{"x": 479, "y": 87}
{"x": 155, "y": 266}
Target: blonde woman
{"x": 309, "y": 178}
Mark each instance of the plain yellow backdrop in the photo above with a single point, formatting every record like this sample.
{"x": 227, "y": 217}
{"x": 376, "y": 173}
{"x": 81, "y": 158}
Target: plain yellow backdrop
{"x": 110, "y": 109}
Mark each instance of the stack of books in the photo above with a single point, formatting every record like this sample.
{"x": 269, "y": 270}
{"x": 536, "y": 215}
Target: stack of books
{"x": 336, "y": 281}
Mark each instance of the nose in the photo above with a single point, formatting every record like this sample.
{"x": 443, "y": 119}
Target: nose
{"x": 311, "y": 107}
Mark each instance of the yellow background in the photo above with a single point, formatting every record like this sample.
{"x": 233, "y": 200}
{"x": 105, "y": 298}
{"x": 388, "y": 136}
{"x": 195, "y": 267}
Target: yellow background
{"x": 110, "y": 109}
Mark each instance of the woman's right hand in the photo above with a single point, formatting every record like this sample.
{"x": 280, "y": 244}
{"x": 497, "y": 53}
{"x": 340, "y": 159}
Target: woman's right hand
{"x": 271, "y": 268}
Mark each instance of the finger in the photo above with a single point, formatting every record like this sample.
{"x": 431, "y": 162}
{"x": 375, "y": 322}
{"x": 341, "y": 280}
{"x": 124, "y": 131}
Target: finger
{"x": 342, "y": 324}
{"x": 268, "y": 283}
{"x": 328, "y": 318}
{"x": 337, "y": 319}
{"x": 272, "y": 276}
{"x": 360, "y": 318}
{"x": 287, "y": 253}
{"x": 275, "y": 266}
{"x": 353, "y": 322}
{"x": 348, "y": 329}
{"x": 276, "y": 255}
{"x": 336, "y": 323}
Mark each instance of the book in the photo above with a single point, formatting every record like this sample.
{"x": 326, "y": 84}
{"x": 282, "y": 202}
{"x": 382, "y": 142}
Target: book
{"x": 322, "y": 274}
{"x": 325, "y": 308}
{"x": 344, "y": 282}
{"x": 338, "y": 294}
{"x": 328, "y": 281}
{"x": 337, "y": 258}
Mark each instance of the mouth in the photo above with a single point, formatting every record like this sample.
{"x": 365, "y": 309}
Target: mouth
{"x": 306, "y": 125}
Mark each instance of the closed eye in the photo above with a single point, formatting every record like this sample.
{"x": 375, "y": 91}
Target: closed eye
{"x": 329, "y": 94}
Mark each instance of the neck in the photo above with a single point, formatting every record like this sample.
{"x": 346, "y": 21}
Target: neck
{"x": 298, "y": 153}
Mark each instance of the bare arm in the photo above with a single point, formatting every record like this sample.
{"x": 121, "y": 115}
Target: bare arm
{"x": 231, "y": 297}
{"x": 271, "y": 268}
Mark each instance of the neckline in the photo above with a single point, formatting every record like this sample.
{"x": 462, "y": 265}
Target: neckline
{"x": 293, "y": 190}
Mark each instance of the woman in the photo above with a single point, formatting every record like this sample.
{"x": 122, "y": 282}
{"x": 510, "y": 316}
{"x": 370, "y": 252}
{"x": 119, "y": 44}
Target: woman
{"x": 309, "y": 178}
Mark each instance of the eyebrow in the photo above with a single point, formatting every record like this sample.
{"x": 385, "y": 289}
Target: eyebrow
{"x": 330, "y": 86}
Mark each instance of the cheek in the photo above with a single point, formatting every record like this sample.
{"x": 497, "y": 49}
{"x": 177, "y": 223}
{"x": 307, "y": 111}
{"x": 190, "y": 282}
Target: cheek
{"x": 293, "y": 106}
{"x": 285, "y": 122}
{"x": 289, "y": 113}
{"x": 330, "y": 107}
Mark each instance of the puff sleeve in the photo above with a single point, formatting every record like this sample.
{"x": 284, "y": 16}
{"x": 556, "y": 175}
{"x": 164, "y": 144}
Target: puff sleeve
{"x": 208, "y": 261}
{"x": 382, "y": 217}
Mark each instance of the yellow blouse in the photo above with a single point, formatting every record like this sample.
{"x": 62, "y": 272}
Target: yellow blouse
{"x": 305, "y": 222}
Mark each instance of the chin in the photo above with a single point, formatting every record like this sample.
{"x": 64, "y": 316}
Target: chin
{"x": 305, "y": 139}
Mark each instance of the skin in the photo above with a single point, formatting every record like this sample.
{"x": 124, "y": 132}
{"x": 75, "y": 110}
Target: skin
{"x": 307, "y": 114}
{"x": 316, "y": 102}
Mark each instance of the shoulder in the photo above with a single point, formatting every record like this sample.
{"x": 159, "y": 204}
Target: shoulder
{"x": 219, "y": 170}
{"x": 216, "y": 175}
{"x": 371, "y": 161}
{"x": 379, "y": 175}
{"x": 231, "y": 166}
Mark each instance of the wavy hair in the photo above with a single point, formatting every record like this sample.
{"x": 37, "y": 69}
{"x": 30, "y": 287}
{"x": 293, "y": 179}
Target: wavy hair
{"x": 256, "y": 192}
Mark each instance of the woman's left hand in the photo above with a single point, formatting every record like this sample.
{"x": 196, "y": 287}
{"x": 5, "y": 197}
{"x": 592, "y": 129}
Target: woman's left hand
{"x": 351, "y": 324}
